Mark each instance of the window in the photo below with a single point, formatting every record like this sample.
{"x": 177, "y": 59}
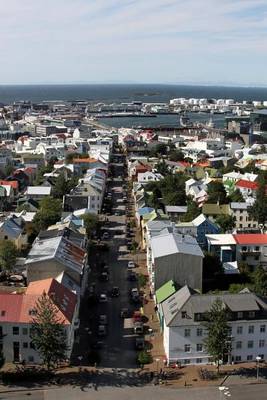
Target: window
{"x": 187, "y": 348}
{"x": 239, "y": 330}
{"x": 15, "y": 330}
{"x": 24, "y": 331}
{"x": 198, "y": 317}
{"x": 244, "y": 248}
{"x": 25, "y": 345}
{"x": 262, "y": 328}
{"x": 250, "y": 357}
{"x": 257, "y": 248}
{"x": 238, "y": 358}
{"x": 250, "y": 344}
{"x": 186, "y": 361}
{"x": 251, "y": 329}
{"x": 199, "y": 347}
{"x": 3, "y": 313}
{"x": 241, "y": 219}
{"x": 257, "y": 258}
{"x": 239, "y": 345}
{"x": 199, "y": 331}
{"x": 261, "y": 356}
{"x": 187, "y": 332}
{"x": 251, "y": 314}
{"x": 261, "y": 343}
{"x": 240, "y": 315}
{"x": 32, "y": 345}
{"x": 31, "y": 359}
{"x": 6, "y": 237}
{"x": 199, "y": 360}
{"x": 183, "y": 314}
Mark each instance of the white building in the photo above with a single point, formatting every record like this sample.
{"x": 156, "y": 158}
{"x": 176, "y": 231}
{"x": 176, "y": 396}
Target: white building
{"x": 149, "y": 176}
{"x": 182, "y": 319}
{"x": 242, "y": 218}
{"x": 17, "y": 311}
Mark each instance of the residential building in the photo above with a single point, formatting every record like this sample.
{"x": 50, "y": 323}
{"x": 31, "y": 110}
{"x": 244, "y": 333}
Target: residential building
{"x": 50, "y": 257}
{"x": 243, "y": 221}
{"x": 174, "y": 256}
{"x": 18, "y": 310}
{"x": 183, "y": 315}
{"x": 37, "y": 192}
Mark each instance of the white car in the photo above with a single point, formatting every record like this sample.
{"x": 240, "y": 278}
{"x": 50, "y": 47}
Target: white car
{"x": 131, "y": 264}
{"x": 103, "y": 298}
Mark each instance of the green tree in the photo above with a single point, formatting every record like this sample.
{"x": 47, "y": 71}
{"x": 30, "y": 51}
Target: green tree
{"x": 212, "y": 266}
{"x": 216, "y": 193}
{"x": 260, "y": 281}
{"x": 48, "y": 334}
{"x": 92, "y": 224}
{"x": 48, "y": 214}
{"x": 216, "y": 342}
{"x": 176, "y": 155}
{"x": 193, "y": 211}
{"x": 8, "y": 254}
{"x": 236, "y": 196}
{"x": 162, "y": 168}
{"x": 226, "y": 222}
{"x": 159, "y": 150}
{"x": 144, "y": 357}
{"x": 237, "y": 287}
{"x": 61, "y": 187}
{"x": 259, "y": 209}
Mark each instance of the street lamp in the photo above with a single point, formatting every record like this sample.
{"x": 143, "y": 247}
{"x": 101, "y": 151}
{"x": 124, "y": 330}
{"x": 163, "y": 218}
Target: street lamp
{"x": 157, "y": 361}
{"x": 258, "y": 359}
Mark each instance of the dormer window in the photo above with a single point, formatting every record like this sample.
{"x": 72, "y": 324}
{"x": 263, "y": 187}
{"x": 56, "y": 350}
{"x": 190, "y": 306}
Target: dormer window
{"x": 183, "y": 314}
{"x": 240, "y": 315}
{"x": 251, "y": 314}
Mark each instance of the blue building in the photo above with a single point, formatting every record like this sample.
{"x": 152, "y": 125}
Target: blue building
{"x": 203, "y": 227}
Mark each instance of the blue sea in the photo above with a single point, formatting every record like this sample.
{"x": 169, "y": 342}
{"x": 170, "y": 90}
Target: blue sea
{"x": 128, "y": 93}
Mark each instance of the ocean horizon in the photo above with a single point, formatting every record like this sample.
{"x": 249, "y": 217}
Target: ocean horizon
{"x": 125, "y": 92}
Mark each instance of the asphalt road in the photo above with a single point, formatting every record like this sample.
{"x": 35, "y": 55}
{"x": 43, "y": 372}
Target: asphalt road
{"x": 118, "y": 346}
{"x": 238, "y": 392}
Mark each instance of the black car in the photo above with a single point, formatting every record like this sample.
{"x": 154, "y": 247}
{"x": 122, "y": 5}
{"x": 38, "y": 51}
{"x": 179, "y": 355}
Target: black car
{"x": 132, "y": 276}
{"x": 104, "y": 277}
{"x": 115, "y": 292}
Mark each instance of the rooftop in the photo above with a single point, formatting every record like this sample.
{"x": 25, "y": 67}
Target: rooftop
{"x": 172, "y": 243}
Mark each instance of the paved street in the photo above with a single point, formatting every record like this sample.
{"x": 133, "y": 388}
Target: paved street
{"x": 118, "y": 350}
{"x": 240, "y": 392}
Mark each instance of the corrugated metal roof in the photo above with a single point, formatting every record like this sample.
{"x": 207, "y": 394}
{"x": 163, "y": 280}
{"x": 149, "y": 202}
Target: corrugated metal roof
{"x": 172, "y": 243}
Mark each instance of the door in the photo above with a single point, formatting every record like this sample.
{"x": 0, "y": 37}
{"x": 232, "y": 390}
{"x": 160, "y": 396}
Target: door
{"x": 16, "y": 357}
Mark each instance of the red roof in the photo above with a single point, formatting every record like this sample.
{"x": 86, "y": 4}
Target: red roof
{"x": 84, "y": 160}
{"x": 251, "y": 238}
{"x": 247, "y": 184}
{"x": 16, "y": 307}
{"x": 14, "y": 184}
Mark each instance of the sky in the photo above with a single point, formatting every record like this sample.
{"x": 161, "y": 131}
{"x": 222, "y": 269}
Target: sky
{"x": 133, "y": 41}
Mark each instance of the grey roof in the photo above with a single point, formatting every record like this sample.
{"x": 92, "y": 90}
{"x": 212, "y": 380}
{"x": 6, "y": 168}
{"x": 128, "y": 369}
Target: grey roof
{"x": 239, "y": 206}
{"x": 11, "y": 229}
{"x": 176, "y": 209}
{"x": 194, "y": 303}
{"x": 172, "y": 243}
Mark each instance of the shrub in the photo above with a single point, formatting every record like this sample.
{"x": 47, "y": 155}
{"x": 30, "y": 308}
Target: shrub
{"x": 144, "y": 358}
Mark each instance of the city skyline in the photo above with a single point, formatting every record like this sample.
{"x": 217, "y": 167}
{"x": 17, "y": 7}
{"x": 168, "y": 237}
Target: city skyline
{"x": 164, "y": 41}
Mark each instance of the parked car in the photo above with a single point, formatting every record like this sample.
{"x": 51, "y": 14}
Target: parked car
{"x": 137, "y": 316}
{"x": 124, "y": 313}
{"x": 103, "y": 319}
{"x": 105, "y": 236}
{"x": 139, "y": 343}
{"x": 103, "y": 298}
{"x": 102, "y": 330}
{"x": 115, "y": 292}
{"x": 132, "y": 276}
{"x": 135, "y": 294}
{"x": 104, "y": 277}
{"x": 105, "y": 268}
{"x": 138, "y": 328}
{"x": 131, "y": 264}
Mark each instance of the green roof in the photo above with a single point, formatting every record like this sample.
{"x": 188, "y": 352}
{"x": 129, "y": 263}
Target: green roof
{"x": 165, "y": 291}
{"x": 216, "y": 209}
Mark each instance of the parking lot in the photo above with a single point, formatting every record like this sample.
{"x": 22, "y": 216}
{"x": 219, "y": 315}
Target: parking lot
{"x": 107, "y": 337}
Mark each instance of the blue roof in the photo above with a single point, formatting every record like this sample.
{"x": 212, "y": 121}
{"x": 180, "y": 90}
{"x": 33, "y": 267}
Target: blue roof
{"x": 145, "y": 210}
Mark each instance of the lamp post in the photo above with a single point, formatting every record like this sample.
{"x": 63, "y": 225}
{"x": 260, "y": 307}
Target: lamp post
{"x": 157, "y": 361}
{"x": 258, "y": 359}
